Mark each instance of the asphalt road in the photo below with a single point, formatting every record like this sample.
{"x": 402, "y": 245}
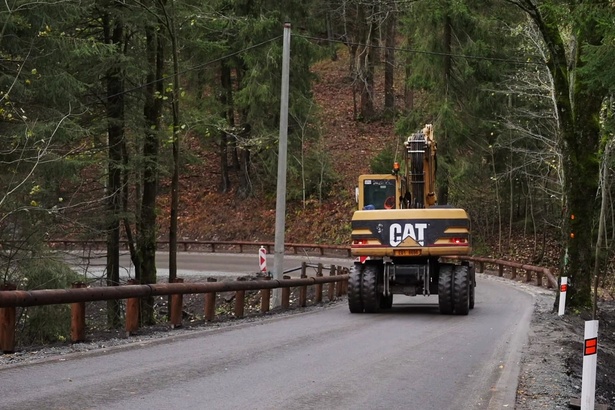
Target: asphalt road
{"x": 409, "y": 358}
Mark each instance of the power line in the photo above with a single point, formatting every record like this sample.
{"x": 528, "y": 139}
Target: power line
{"x": 434, "y": 53}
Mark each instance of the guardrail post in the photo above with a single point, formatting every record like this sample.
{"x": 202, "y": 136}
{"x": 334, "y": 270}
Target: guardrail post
{"x": 481, "y": 267}
{"x": 344, "y": 271}
{"x": 539, "y": 278}
{"x": 318, "y": 289}
{"x": 528, "y": 275}
{"x": 132, "y": 312}
{"x": 265, "y": 296}
{"x": 500, "y": 270}
{"x": 77, "y": 317}
{"x": 303, "y": 289}
{"x": 210, "y": 303}
{"x": 549, "y": 275}
{"x": 340, "y": 284}
{"x": 7, "y": 324}
{"x": 240, "y": 301}
{"x": 285, "y": 294}
{"x": 513, "y": 274}
{"x": 177, "y": 306}
{"x": 332, "y": 284}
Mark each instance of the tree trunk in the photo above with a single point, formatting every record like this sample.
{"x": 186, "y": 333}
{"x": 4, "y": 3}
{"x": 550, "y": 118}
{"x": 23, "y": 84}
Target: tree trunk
{"x": 578, "y": 114}
{"x": 444, "y": 147}
{"x": 389, "y": 65}
{"x": 245, "y": 183}
{"x": 365, "y": 64}
{"x": 115, "y": 130}
{"x": 226, "y": 99}
{"x": 147, "y": 232}
{"x": 173, "y": 229}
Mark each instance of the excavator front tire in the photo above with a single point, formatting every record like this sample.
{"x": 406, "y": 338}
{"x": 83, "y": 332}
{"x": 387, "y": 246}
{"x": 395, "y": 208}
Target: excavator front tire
{"x": 445, "y": 289}
{"x": 461, "y": 290}
{"x": 369, "y": 290}
{"x": 355, "y": 280}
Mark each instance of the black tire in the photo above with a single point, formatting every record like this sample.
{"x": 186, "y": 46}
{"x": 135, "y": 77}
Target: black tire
{"x": 445, "y": 289}
{"x": 461, "y": 290}
{"x": 386, "y": 302}
{"x": 355, "y": 302}
{"x": 472, "y": 284}
{"x": 369, "y": 290}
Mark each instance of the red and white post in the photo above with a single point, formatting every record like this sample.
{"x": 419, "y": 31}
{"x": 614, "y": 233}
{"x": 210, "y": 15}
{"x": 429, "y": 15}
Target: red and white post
{"x": 563, "y": 287}
{"x": 262, "y": 259}
{"x": 590, "y": 359}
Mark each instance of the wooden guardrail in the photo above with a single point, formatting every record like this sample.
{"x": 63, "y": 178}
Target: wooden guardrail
{"x": 11, "y": 298}
{"x": 296, "y": 248}
{"x": 501, "y": 264}
{"x": 212, "y": 246}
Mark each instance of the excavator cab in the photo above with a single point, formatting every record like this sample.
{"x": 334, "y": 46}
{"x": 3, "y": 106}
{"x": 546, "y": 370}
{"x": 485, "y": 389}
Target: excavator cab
{"x": 378, "y": 192}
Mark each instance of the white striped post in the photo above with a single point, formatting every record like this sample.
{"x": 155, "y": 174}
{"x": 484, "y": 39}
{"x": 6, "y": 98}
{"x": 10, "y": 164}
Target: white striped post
{"x": 563, "y": 287}
{"x": 590, "y": 359}
{"x": 262, "y": 259}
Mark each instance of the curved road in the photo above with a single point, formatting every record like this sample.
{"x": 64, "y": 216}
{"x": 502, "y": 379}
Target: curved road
{"x": 408, "y": 358}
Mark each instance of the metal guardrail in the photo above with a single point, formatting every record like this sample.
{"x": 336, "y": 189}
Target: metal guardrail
{"x": 11, "y": 298}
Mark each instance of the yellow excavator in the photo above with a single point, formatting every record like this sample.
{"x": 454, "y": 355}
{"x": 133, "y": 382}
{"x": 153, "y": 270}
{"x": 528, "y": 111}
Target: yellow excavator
{"x": 400, "y": 236}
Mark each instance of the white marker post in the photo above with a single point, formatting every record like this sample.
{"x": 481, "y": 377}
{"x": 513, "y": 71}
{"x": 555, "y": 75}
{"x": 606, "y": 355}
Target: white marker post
{"x": 590, "y": 359}
{"x": 262, "y": 259}
{"x": 563, "y": 287}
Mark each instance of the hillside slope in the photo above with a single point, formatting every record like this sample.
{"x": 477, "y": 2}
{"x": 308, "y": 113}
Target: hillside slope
{"x": 208, "y": 215}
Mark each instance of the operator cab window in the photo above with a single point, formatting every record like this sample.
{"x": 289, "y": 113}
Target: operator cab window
{"x": 376, "y": 192}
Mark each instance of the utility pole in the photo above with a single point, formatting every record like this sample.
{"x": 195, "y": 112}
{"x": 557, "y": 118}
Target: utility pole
{"x": 280, "y": 205}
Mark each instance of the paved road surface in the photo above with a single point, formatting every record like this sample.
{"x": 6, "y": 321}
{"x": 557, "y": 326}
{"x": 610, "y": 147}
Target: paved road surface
{"x": 408, "y": 358}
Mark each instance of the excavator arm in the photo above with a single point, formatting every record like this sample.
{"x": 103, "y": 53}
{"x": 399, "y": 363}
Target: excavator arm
{"x": 420, "y": 162}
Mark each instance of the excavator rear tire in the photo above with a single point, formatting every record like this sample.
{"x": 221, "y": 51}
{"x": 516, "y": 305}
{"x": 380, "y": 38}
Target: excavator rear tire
{"x": 461, "y": 290}
{"x": 355, "y": 302}
{"x": 369, "y": 291}
{"x": 445, "y": 289}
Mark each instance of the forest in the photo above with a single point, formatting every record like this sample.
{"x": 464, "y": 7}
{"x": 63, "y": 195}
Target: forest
{"x": 136, "y": 122}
